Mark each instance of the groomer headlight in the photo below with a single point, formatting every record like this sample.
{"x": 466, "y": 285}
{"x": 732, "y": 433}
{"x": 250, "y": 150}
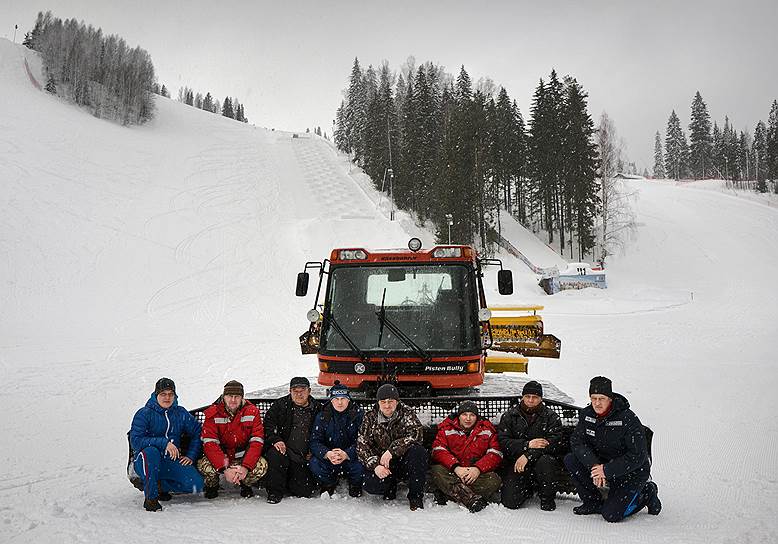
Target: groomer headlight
{"x": 414, "y": 244}
{"x": 352, "y": 254}
{"x": 443, "y": 252}
{"x": 313, "y": 315}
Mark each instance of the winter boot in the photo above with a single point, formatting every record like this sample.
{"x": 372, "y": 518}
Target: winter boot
{"x": 416, "y": 503}
{"x": 152, "y": 505}
{"x": 391, "y": 493}
{"x": 587, "y": 508}
{"x": 163, "y": 495}
{"x": 478, "y": 504}
{"x": 328, "y": 489}
{"x": 440, "y": 498}
{"x": 272, "y": 498}
{"x": 547, "y": 503}
{"x": 463, "y": 494}
{"x": 653, "y": 503}
{"x": 354, "y": 490}
{"x": 246, "y": 492}
{"x": 211, "y": 492}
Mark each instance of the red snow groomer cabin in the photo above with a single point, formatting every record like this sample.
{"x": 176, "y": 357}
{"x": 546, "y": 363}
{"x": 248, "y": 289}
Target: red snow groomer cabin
{"x": 414, "y": 317}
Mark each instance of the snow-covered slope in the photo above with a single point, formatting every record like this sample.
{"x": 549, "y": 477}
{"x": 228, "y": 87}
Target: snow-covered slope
{"x": 171, "y": 249}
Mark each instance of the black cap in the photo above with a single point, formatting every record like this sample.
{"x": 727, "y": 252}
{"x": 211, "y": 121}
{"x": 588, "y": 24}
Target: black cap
{"x": 387, "y": 391}
{"x": 600, "y": 385}
{"x": 299, "y": 381}
{"x": 163, "y": 384}
{"x": 467, "y": 406}
{"x": 532, "y": 388}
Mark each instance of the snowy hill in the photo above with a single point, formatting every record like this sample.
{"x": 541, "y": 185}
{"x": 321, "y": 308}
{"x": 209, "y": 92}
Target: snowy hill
{"x": 171, "y": 249}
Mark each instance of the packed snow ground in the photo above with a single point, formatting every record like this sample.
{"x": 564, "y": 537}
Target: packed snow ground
{"x": 171, "y": 249}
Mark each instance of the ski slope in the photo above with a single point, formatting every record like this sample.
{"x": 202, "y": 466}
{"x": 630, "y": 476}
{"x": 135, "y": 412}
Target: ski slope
{"x": 171, "y": 249}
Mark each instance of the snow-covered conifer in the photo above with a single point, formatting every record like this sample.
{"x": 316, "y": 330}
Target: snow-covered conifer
{"x": 700, "y": 139}
{"x": 659, "y": 159}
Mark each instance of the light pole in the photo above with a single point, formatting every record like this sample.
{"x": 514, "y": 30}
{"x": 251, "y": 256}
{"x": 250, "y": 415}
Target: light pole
{"x": 15, "y": 27}
{"x": 450, "y": 221}
{"x": 391, "y": 193}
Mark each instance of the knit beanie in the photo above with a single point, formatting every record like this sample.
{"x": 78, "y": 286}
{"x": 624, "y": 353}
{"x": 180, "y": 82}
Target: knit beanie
{"x": 467, "y": 406}
{"x": 387, "y": 391}
{"x": 233, "y": 388}
{"x": 532, "y": 388}
{"x": 339, "y": 391}
{"x": 600, "y": 385}
{"x": 163, "y": 384}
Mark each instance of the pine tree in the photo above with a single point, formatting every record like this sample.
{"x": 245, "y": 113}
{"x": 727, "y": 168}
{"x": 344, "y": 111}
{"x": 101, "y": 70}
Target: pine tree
{"x": 545, "y": 145}
{"x": 28, "y": 40}
{"x": 717, "y": 151}
{"x": 51, "y": 85}
{"x": 759, "y": 151}
{"x": 338, "y": 133}
{"x": 227, "y": 110}
{"x": 700, "y": 140}
{"x": 355, "y": 112}
{"x": 729, "y": 148}
{"x": 772, "y": 142}
{"x": 676, "y": 149}
{"x": 581, "y": 201}
{"x": 659, "y": 159}
{"x": 744, "y": 156}
{"x": 207, "y": 102}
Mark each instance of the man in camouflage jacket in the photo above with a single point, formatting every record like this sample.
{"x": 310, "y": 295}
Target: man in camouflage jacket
{"x": 390, "y": 446}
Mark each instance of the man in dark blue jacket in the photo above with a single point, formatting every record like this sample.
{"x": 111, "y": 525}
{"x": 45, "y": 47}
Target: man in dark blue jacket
{"x": 609, "y": 448}
{"x": 334, "y": 443}
{"x": 155, "y": 437}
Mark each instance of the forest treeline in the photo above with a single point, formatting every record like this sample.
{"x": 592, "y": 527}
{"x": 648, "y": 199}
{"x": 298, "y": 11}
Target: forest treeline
{"x": 106, "y": 76}
{"x": 721, "y": 152}
{"x": 98, "y": 72}
{"x": 440, "y": 145}
{"x": 230, "y": 107}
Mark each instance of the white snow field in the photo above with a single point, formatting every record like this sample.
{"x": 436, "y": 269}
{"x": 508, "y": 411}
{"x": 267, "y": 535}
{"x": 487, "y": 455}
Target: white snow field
{"x": 171, "y": 249}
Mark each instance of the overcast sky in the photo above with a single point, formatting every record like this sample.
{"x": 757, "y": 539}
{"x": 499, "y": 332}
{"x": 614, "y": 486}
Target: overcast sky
{"x": 288, "y": 62}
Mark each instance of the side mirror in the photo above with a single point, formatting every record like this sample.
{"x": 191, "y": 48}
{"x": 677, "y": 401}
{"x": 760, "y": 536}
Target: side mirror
{"x": 505, "y": 282}
{"x": 302, "y": 284}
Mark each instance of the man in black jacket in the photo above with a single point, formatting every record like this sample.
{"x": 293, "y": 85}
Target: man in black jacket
{"x": 288, "y": 424}
{"x": 609, "y": 448}
{"x": 530, "y": 434}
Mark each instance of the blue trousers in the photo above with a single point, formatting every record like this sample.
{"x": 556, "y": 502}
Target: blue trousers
{"x": 626, "y": 495}
{"x": 158, "y": 472}
{"x": 328, "y": 474}
{"x": 411, "y": 467}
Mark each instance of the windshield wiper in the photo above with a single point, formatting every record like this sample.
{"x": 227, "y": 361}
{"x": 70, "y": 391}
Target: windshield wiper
{"x": 404, "y": 338}
{"x": 348, "y": 340}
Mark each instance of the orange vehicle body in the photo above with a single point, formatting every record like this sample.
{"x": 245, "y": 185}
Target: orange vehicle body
{"x": 456, "y": 365}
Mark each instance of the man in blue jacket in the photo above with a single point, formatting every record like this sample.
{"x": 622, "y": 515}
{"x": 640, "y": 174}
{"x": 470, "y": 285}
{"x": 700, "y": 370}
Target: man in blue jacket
{"x": 334, "y": 443}
{"x": 609, "y": 448}
{"x": 156, "y": 440}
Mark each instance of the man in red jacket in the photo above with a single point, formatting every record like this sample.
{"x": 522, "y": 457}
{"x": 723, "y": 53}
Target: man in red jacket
{"x": 466, "y": 454}
{"x": 232, "y": 438}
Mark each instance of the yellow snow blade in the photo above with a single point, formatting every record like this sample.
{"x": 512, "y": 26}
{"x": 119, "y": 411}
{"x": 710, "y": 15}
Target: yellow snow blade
{"x": 522, "y": 333}
{"x": 496, "y": 364}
